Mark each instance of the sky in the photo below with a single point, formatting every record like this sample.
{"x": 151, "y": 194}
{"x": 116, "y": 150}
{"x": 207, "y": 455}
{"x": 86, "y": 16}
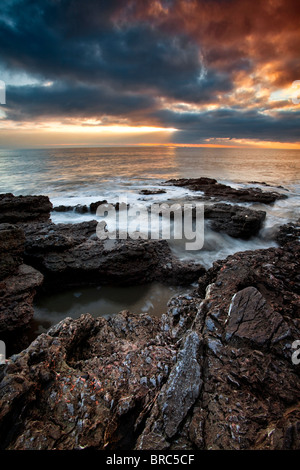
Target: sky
{"x": 147, "y": 72}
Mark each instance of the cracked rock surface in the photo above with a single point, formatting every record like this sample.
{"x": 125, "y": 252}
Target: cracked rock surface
{"x": 215, "y": 372}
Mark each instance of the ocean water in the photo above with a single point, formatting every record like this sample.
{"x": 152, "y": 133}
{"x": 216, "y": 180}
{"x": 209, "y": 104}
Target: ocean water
{"x": 72, "y": 176}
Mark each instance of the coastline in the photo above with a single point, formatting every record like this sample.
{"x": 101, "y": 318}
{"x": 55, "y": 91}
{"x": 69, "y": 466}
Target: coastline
{"x": 214, "y": 372}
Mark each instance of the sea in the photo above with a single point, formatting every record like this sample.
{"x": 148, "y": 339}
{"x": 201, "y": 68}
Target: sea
{"x": 80, "y": 176}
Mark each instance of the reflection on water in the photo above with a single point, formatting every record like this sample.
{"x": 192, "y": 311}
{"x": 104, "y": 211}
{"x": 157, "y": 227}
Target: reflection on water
{"x": 90, "y": 171}
{"x": 101, "y": 301}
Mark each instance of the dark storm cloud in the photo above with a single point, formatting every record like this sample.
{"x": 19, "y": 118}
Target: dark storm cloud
{"x": 69, "y": 100}
{"x": 124, "y": 58}
{"x": 135, "y": 57}
{"x": 232, "y": 124}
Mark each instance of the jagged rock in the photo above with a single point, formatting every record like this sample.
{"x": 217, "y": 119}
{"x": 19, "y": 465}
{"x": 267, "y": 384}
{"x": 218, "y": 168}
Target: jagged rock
{"x": 12, "y": 242}
{"x": 18, "y": 282}
{"x": 14, "y": 209}
{"x": 246, "y": 323}
{"x": 80, "y": 385}
{"x": 250, "y": 318}
{"x": 288, "y": 233}
{"x": 211, "y": 188}
{"x": 16, "y": 297}
{"x": 215, "y": 372}
{"x": 236, "y": 221}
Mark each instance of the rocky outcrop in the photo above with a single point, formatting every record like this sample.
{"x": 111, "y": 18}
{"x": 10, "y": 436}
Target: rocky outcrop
{"x": 218, "y": 191}
{"x": 18, "y": 282}
{"x": 236, "y": 221}
{"x": 86, "y": 384}
{"x": 14, "y": 209}
{"x": 246, "y": 325}
{"x": 215, "y": 372}
{"x": 84, "y": 209}
{"x": 72, "y": 254}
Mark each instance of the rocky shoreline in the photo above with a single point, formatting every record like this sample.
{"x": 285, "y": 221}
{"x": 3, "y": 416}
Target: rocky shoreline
{"x": 214, "y": 372}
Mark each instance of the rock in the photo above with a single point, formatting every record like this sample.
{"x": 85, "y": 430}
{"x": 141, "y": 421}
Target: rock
{"x": 16, "y": 297}
{"x": 81, "y": 209}
{"x": 80, "y": 385}
{"x": 94, "y": 205}
{"x": 18, "y": 282}
{"x": 289, "y": 233}
{"x": 215, "y": 372}
{"x": 147, "y": 192}
{"x": 12, "y": 242}
{"x": 72, "y": 254}
{"x": 236, "y": 221}
{"x": 14, "y": 209}
{"x": 62, "y": 208}
{"x": 211, "y": 188}
{"x": 177, "y": 395}
{"x": 246, "y": 323}
{"x": 250, "y": 319}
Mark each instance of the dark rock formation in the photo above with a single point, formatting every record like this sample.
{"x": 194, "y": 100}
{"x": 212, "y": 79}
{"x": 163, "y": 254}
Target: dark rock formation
{"x": 87, "y": 384}
{"x": 14, "y": 209}
{"x": 289, "y": 233}
{"x": 147, "y": 192}
{"x": 94, "y": 205}
{"x": 236, "y": 221}
{"x": 83, "y": 208}
{"x": 243, "y": 331}
{"x": 62, "y": 208}
{"x": 12, "y": 241}
{"x": 215, "y": 372}
{"x": 212, "y": 189}
{"x": 72, "y": 254}
{"x": 18, "y": 282}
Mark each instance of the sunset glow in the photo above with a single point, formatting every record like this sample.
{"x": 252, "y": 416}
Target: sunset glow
{"x": 174, "y": 72}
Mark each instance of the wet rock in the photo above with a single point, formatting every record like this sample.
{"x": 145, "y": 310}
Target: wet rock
{"x": 62, "y": 208}
{"x": 289, "y": 233}
{"x": 147, "y": 192}
{"x": 14, "y": 209}
{"x": 211, "y": 188}
{"x": 72, "y": 254}
{"x": 94, "y": 205}
{"x": 81, "y": 209}
{"x": 215, "y": 372}
{"x": 236, "y": 221}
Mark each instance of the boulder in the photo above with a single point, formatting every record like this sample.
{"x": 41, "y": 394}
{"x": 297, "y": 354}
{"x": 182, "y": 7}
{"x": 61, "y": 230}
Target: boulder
{"x": 15, "y": 209}
{"x": 236, "y": 221}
